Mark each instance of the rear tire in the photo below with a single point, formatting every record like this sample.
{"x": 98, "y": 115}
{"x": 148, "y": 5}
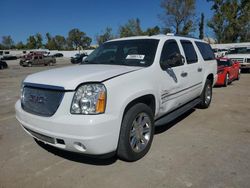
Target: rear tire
{"x": 206, "y": 95}
{"x": 137, "y": 132}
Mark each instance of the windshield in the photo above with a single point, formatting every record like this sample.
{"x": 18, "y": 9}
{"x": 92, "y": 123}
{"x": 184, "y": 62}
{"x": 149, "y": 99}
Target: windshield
{"x": 223, "y": 62}
{"x": 128, "y": 52}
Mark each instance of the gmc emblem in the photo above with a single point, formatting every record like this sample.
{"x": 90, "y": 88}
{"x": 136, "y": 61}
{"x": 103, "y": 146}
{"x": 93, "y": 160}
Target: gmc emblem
{"x": 37, "y": 99}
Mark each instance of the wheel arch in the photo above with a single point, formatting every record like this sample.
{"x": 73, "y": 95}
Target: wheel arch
{"x": 211, "y": 78}
{"x": 148, "y": 99}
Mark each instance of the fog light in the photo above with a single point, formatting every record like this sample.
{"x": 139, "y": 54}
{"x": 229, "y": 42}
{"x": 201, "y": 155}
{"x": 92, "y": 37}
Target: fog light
{"x": 79, "y": 146}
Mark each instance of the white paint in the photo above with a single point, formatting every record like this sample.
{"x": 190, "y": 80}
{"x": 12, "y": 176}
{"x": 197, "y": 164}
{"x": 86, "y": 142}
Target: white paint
{"x": 100, "y": 133}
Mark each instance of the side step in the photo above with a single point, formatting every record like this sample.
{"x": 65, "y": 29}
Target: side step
{"x": 176, "y": 113}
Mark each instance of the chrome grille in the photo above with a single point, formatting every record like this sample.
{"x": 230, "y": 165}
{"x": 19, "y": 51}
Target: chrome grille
{"x": 41, "y": 101}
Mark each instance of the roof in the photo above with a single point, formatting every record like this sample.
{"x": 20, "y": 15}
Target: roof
{"x": 157, "y": 37}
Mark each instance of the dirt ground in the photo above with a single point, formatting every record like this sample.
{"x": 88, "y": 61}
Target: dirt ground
{"x": 203, "y": 148}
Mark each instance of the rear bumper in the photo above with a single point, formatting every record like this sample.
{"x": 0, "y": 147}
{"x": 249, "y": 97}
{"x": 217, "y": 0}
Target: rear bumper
{"x": 90, "y": 134}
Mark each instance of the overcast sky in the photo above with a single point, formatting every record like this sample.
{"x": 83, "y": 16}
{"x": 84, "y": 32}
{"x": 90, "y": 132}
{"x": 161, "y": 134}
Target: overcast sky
{"x": 22, "y": 18}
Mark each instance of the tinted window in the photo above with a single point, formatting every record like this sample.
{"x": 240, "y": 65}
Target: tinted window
{"x": 189, "y": 50}
{"x": 139, "y": 52}
{"x": 35, "y": 57}
{"x": 170, "y": 52}
{"x": 205, "y": 50}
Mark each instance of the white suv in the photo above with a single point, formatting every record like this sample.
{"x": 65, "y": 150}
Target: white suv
{"x": 113, "y": 101}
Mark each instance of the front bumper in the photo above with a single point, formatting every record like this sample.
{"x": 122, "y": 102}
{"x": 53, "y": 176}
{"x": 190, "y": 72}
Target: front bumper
{"x": 23, "y": 63}
{"x": 220, "y": 79}
{"x": 90, "y": 134}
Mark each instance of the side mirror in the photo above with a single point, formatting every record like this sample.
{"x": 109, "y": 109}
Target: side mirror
{"x": 164, "y": 65}
{"x": 173, "y": 61}
{"x": 84, "y": 58}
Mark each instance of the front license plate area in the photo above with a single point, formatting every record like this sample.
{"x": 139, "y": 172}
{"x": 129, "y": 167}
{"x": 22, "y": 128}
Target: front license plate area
{"x": 41, "y": 137}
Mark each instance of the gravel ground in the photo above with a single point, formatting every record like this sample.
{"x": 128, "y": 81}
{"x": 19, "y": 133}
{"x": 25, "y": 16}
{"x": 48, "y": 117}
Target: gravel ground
{"x": 203, "y": 148}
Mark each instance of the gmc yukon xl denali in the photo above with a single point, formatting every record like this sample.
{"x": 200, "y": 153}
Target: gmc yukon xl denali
{"x": 115, "y": 98}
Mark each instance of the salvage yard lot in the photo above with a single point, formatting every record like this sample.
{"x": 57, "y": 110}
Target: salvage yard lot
{"x": 203, "y": 148}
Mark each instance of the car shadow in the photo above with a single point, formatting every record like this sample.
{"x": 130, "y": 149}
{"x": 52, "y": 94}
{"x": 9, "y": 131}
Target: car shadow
{"x": 101, "y": 160}
{"x": 163, "y": 128}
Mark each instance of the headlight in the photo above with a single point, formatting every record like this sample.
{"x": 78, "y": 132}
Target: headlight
{"x": 89, "y": 99}
{"x": 21, "y": 90}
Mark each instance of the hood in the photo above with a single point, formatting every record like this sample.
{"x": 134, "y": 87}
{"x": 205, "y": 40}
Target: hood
{"x": 70, "y": 77}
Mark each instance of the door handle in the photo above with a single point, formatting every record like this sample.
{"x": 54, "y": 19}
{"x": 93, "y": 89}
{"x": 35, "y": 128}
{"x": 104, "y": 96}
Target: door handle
{"x": 184, "y": 74}
{"x": 199, "y": 69}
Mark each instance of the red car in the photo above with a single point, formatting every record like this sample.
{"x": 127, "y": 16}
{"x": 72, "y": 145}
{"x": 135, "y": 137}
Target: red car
{"x": 228, "y": 71}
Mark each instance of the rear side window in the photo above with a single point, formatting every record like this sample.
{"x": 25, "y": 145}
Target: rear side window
{"x": 189, "y": 50}
{"x": 205, "y": 50}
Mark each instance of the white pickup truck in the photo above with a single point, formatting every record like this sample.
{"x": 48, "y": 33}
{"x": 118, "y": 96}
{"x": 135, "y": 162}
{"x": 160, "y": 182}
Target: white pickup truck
{"x": 113, "y": 101}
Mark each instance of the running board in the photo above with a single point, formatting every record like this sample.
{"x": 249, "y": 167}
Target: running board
{"x": 176, "y": 113}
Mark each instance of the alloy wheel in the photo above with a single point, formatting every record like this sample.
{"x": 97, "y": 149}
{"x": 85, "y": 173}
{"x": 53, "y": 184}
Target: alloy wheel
{"x": 140, "y": 132}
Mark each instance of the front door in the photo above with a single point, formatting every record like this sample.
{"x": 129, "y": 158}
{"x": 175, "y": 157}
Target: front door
{"x": 173, "y": 77}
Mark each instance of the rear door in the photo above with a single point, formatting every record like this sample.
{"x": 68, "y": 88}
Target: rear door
{"x": 40, "y": 60}
{"x": 194, "y": 69}
{"x": 35, "y": 60}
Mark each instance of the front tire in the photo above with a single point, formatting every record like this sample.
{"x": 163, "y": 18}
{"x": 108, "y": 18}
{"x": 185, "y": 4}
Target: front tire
{"x": 206, "y": 96}
{"x": 238, "y": 77}
{"x": 226, "y": 81}
{"x": 137, "y": 132}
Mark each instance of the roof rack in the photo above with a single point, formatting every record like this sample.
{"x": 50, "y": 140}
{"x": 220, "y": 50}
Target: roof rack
{"x": 170, "y": 34}
{"x": 177, "y": 35}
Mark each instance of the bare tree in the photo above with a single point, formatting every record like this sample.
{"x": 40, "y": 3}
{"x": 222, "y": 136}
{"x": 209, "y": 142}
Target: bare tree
{"x": 179, "y": 15}
{"x": 7, "y": 42}
{"x": 131, "y": 28}
{"x": 107, "y": 35}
